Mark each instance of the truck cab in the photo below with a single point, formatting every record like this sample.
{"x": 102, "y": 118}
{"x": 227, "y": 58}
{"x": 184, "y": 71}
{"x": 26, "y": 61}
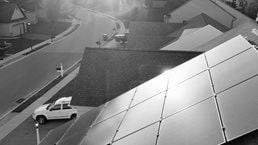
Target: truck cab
{"x": 60, "y": 109}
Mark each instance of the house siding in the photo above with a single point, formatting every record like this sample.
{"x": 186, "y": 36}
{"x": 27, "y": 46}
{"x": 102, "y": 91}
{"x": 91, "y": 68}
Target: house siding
{"x": 12, "y": 29}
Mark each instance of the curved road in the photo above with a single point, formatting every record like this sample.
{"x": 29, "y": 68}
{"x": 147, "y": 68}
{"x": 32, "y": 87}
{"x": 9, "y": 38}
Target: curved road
{"x": 31, "y": 73}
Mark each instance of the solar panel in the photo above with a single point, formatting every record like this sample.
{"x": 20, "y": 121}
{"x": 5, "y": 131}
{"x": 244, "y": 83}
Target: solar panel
{"x": 187, "y": 70}
{"x": 239, "y": 108}
{"x": 150, "y": 89}
{"x": 192, "y": 113}
{"x": 198, "y": 125}
{"x": 227, "y": 50}
{"x": 103, "y": 133}
{"x": 188, "y": 93}
{"x": 117, "y": 105}
{"x": 146, "y": 136}
{"x": 235, "y": 70}
{"x": 141, "y": 115}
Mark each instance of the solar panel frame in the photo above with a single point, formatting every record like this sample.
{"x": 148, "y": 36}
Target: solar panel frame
{"x": 192, "y": 126}
{"x": 139, "y": 117}
{"x": 116, "y": 106}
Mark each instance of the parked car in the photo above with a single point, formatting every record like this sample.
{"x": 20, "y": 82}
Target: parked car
{"x": 60, "y": 109}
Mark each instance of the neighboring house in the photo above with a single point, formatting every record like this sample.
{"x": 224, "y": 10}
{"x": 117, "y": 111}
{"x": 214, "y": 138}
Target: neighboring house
{"x": 29, "y": 9}
{"x": 150, "y": 35}
{"x": 197, "y": 31}
{"x": 215, "y": 9}
{"x": 178, "y": 36}
{"x": 12, "y": 20}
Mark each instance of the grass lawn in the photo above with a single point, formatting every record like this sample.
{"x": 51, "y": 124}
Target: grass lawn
{"x": 20, "y": 44}
{"x": 48, "y": 28}
{"x": 41, "y": 28}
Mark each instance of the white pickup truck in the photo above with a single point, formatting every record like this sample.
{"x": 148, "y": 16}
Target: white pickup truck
{"x": 60, "y": 109}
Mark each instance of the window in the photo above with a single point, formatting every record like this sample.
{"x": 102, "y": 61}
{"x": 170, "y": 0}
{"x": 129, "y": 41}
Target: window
{"x": 66, "y": 106}
{"x": 56, "y": 107}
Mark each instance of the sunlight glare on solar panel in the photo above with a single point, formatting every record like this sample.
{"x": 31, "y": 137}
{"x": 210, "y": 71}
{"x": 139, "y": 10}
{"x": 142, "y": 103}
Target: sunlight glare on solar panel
{"x": 187, "y": 70}
{"x": 188, "y": 93}
{"x": 150, "y": 88}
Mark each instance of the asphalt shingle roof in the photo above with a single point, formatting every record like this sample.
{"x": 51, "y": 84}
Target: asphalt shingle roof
{"x": 147, "y": 42}
{"x": 152, "y": 28}
{"x": 198, "y": 22}
{"x": 106, "y": 73}
{"x": 6, "y": 12}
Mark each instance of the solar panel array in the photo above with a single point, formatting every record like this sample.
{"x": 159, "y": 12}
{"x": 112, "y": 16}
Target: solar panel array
{"x": 208, "y": 100}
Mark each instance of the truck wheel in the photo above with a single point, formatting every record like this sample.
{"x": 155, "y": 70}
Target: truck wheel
{"x": 41, "y": 119}
{"x": 73, "y": 116}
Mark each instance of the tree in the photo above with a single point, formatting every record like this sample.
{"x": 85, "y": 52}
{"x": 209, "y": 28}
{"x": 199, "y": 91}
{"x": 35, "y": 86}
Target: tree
{"x": 234, "y": 4}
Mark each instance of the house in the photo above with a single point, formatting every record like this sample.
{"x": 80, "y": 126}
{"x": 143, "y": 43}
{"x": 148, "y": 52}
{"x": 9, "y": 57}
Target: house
{"x": 217, "y": 10}
{"x": 191, "y": 103}
{"x": 29, "y": 8}
{"x": 197, "y": 31}
{"x": 12, "y": 20}
{"x": 174, "y": 36}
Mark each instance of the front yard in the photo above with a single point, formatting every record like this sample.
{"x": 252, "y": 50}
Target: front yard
{"x": 37, "y": 34}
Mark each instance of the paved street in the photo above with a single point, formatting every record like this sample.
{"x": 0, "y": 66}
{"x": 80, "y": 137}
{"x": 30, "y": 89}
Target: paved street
{"x": 19, "y": 79}
{"x": 25, "y": 133}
